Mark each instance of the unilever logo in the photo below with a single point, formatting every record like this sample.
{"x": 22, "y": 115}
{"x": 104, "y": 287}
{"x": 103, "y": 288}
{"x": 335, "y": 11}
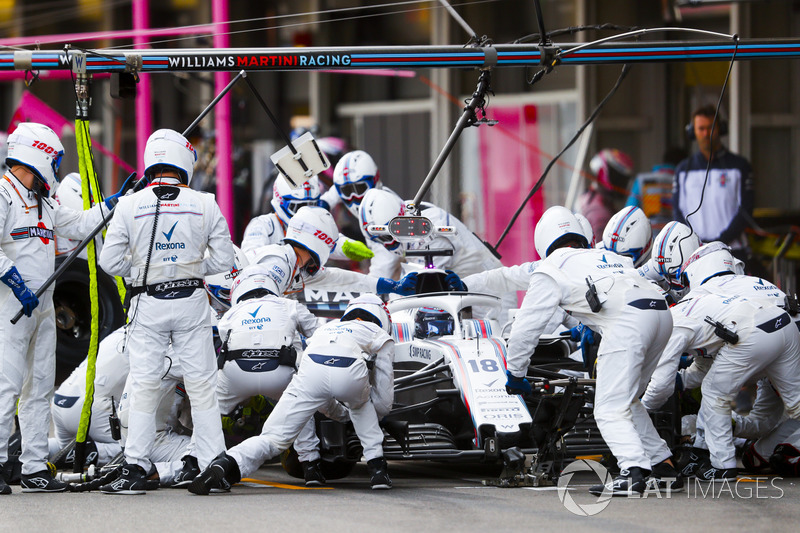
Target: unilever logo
{"x": 586, "y": 509}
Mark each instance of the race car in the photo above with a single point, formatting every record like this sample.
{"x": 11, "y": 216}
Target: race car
{"x": 451, "y": 403}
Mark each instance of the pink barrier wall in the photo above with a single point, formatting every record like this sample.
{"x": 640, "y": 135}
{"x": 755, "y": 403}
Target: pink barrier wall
{"x": 509, "y": 171}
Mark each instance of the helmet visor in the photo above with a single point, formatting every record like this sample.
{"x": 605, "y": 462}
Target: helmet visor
{"x": 220, "y": 293}
{"x": 351, "y": 192}
{"x": 292, "y": 206}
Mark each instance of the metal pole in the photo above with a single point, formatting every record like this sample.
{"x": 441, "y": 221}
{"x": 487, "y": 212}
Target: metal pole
{"x": 274, "y": 120}
{"x": 467, "y": 119}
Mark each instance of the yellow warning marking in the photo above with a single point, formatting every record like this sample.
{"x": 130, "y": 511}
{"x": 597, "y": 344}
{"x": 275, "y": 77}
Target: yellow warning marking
{"x": 590, "y": 457}
{"x": 281, "y": 485}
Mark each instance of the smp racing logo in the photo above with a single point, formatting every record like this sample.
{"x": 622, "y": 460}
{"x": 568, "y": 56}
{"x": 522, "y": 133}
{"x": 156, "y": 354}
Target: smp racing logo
{"x": 169, "y": 245}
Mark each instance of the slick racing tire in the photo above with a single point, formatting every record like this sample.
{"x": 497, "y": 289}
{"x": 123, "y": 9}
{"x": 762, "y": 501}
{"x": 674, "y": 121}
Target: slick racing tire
{"x": 331, "y": 470}
{"x": 73, "y": 312}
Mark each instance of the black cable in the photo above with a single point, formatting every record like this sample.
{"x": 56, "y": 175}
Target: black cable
{"x": 149, "y": 256}
{"x": 711, "y": 134}
{"x": 152, "y": 239}
{"x": 168, "y": 368}
{"x": 625, "y": 69}
{"x": 575, "y": 29}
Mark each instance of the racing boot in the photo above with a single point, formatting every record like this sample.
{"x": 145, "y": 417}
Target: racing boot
{"x": 785, "y": 461}
{"x": 90, "y": 453}
{"x": 379, "y": 471}
{"x": 690, "y": 462}
{"x": 218, "y": 477}
{"x": 132, "y": 480}
{"x": 665, "y": 478}
{"x": 42, "y": 481}
{"x": 189, "y": 471}
{"x": 707, "y": 472}
{"x": 4, "y": 488}
{"x": 629, "y": 482}
{"x": 312, "y": 473}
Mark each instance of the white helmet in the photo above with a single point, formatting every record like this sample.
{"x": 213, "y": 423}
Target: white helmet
{"x": 557, "y": 226}
{"x": 272, "y": 274}
{"x": 629, "y": 233}
{"x": 286, "y": 201}
{"x": 354, "y": 175}
{"x": 314, "y": 229}
{"x": 672, "y": 246}
{"x": 370, "y": 308}
{"x": 69, "y": 192}
{"x": 588, "y": 232}
{"x": 170, "y": 148}
{"x": 37, "y": 147}
{"x": 378, "y": 207}
{"x": 706, "y": 262}
{"x": 219, "y": 285}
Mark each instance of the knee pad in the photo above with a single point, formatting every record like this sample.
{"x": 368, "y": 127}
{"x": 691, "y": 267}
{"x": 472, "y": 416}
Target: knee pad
{"x": 793, "y": 411}
{"x": 146, "y": 396}
{"x": 202, "y": 394}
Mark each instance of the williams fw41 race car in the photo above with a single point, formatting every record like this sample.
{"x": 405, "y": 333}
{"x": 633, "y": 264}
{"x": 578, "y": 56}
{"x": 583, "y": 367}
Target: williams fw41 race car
{"x": 451, "y": 404}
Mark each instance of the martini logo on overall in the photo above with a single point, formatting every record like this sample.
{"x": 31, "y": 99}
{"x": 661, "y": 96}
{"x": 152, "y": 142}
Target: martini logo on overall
{"x": 41, "y": 231}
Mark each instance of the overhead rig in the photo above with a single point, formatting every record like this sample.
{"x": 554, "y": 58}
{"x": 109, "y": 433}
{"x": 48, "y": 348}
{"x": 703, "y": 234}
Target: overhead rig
{"x": 412, "y": 57}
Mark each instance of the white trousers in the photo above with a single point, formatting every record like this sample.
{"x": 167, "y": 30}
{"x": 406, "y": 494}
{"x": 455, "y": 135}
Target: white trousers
{"x": 66, "y": 415}
{"x": 186, "y": 322}
{"x": 27, "y": 372}
{"x": 775, "y": 354}
{"x": 235, "y": 385}
{"x": 315, "y": 384}
{"x": 627, "y": 357}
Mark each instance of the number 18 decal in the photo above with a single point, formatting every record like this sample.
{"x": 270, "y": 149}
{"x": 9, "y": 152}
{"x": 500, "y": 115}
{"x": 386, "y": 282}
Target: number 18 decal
{"x": 487, "y": 365}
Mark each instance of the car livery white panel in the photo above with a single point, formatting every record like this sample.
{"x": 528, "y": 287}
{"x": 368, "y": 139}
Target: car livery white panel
{"x": 479, "y": 370}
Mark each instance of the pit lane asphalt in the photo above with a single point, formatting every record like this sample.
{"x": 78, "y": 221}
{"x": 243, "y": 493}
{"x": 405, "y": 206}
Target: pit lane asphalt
{"x": 426, "y": 497}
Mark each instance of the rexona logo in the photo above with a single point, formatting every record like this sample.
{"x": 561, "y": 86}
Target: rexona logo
{"x": 606, "y": 264}
{"x": 260, "y": 320}
{"x": 170, "y": 245}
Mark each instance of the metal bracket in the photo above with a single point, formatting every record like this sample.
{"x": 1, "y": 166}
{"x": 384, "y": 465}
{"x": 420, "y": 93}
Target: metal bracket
{"x": 78, "y": 62}
{"x": 133, "y": 63}
{"x": 490, "y": 58}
